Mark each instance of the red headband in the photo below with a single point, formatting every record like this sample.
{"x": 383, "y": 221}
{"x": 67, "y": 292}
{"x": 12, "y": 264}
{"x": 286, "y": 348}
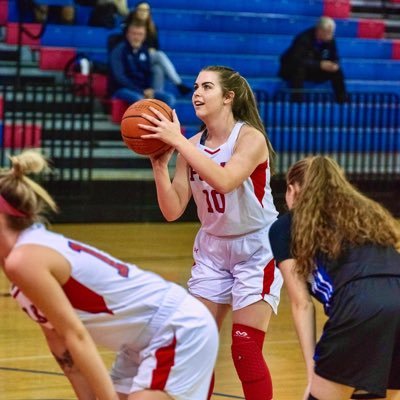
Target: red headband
{"x": 7, "y": 208}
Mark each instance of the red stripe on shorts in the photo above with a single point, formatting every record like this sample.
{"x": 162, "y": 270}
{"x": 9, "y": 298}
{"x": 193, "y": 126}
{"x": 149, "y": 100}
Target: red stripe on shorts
{"x": 269, "y": 274}
{"x": 165, "y": 357}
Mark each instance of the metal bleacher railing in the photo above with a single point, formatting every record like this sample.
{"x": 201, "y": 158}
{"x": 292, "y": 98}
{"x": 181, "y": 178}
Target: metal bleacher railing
{"x": 57, "y": 118}
{"x": 363, "y": 134}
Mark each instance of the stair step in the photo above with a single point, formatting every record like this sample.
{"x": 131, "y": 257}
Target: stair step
{"x": 8, "y": 55}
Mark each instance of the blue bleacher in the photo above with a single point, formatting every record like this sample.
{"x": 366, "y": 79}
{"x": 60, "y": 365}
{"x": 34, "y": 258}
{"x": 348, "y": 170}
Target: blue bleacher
{"x": 331, "y": 139}
{"x": 290, "y": 114}
{"x": 248, "y": 36}
{"x": 288, "y": 7}
{"x": 264, "y": 44}
{"x": 211, "y": 42}
{"x": 225, "y": 21}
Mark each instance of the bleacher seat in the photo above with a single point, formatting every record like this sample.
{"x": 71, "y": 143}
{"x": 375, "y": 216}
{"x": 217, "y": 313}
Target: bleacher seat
{"x": 247, "y": 36}
{"x": 117, "y": 109}
{"x": 3, "y": 12}
{"x": 20, "y": 136}
{"x": 304, "y": 7}
{"x": 371, "y": 29}
{"x": 337, "y": 8}
{"x": 225, "y": 21}
{"x": 12, "y": 34}
{"x": 55, "y": 58}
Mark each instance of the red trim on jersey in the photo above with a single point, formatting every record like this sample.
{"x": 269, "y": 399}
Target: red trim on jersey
{"x": 15, "y": 291}
{"x": 83, "y": 298}
{"x": 269, "y": 274}
{"x": 259, "y": 179}
{"x": 165, "y": 360}
{"x": 211, "y": 151}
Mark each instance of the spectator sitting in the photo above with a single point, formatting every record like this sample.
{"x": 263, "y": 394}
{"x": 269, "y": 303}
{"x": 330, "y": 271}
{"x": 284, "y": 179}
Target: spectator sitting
{"x": 130, "y": 68}
{"x": 313, "y": 56}
{"x": 63, "y": 14}
{"x": 105, "y": 13}
{"x": 161, "y": 64}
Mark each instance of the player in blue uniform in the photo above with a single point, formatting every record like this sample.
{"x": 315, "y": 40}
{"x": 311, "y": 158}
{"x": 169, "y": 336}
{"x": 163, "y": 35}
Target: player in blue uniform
{"x": 343, "y": 249}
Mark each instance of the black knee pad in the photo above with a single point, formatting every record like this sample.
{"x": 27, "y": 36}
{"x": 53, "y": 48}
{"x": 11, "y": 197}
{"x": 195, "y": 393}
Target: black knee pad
{"x": 311, "y": 397}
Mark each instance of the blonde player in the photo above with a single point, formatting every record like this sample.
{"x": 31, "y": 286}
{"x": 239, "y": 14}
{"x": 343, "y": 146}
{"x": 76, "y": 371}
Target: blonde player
{"x": 226, "y": 167}
{"x": 166, "y": 340}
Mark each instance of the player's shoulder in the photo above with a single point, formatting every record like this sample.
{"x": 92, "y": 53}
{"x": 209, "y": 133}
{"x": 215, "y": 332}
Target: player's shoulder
{"x": 282, "y": 225}
{"x": 250, "y": 133}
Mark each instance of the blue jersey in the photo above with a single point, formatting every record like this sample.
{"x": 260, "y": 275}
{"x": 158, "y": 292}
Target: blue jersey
{"x": 331, "y": 275}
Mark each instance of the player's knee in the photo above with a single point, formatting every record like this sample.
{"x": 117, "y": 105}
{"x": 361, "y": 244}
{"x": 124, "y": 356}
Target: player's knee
{"x": 248, "y": 361}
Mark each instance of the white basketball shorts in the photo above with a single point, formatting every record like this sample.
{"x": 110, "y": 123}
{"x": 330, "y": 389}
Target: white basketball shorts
{"x": 239, "y": 271}
{"x": 179, "y": 359}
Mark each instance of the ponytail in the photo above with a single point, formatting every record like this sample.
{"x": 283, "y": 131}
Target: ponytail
{"x": 24, "y": 201}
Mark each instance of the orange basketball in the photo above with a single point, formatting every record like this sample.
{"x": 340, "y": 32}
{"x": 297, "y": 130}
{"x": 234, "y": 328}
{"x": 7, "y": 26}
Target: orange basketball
{"x": 131, "y": 132}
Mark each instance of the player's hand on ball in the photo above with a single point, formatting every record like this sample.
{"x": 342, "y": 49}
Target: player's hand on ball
{"x": 162, "y": 128}
{"x": 161, "y": 160}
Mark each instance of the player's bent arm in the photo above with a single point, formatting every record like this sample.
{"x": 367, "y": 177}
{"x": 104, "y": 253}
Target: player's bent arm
{"x": 174, "y": 197}
{"x": 303, "y": 311}
{"x": 64, "y": 359}
{"x": 250, "y": 150}
{"x": 39, "y": 272}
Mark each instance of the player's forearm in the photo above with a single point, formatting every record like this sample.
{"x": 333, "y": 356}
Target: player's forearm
{"x": 78, "y": 382}
{"x": 81, "y": 387}
{"x": 87, "y": 359}
{"x": 215, "y": 175}
{"x": 304, "y": 321}
{"x": 168, "y": 199}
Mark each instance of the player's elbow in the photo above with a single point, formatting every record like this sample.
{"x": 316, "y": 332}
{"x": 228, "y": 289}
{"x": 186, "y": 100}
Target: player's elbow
{"x": 224, "y": 187}
{"x": 172, "y": 215}
{"x": 303, "y": 304}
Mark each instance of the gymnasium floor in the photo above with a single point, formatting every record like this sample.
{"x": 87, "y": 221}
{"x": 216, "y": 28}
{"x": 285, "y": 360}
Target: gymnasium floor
{"x": 28, "y": 371}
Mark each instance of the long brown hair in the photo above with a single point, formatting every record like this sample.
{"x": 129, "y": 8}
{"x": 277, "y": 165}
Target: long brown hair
{"x": 330, "y": 214}
{"x": 151, "y": 29}
{"x": 244, "y": 106}
{"x": 23, "y": 193}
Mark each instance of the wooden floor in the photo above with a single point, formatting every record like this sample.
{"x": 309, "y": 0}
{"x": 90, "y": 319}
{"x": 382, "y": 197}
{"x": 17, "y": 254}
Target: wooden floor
{"x": 28, "y": 371}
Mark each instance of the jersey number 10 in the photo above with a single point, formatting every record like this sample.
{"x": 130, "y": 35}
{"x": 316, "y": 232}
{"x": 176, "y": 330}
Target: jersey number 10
{"x": 215, "y": 201}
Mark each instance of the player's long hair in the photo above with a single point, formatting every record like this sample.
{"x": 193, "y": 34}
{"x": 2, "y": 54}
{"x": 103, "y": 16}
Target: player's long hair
{"x": 23, "y": 193}
{"x": 330, "y": 214}
{"x": 244, "y": 106}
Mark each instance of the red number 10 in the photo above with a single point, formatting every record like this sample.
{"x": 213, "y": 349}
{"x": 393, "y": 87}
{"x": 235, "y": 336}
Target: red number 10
{"x": 215, "y": 201}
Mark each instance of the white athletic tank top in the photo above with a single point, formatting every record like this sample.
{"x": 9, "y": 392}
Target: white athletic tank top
{"x": 116, "y": 301}
{"x": 246, "y": 209}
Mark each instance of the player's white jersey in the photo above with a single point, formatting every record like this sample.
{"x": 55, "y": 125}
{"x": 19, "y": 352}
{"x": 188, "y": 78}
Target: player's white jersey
{"x": 116, "y": 301}
{"x": 246, "y": 209}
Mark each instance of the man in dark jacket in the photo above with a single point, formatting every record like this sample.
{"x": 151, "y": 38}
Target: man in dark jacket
{"x": 313, "y": 56}
{"x": 130, "y": 68}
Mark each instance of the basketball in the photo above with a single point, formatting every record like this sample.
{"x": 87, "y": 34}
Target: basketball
{"x": 131, "y": 132}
